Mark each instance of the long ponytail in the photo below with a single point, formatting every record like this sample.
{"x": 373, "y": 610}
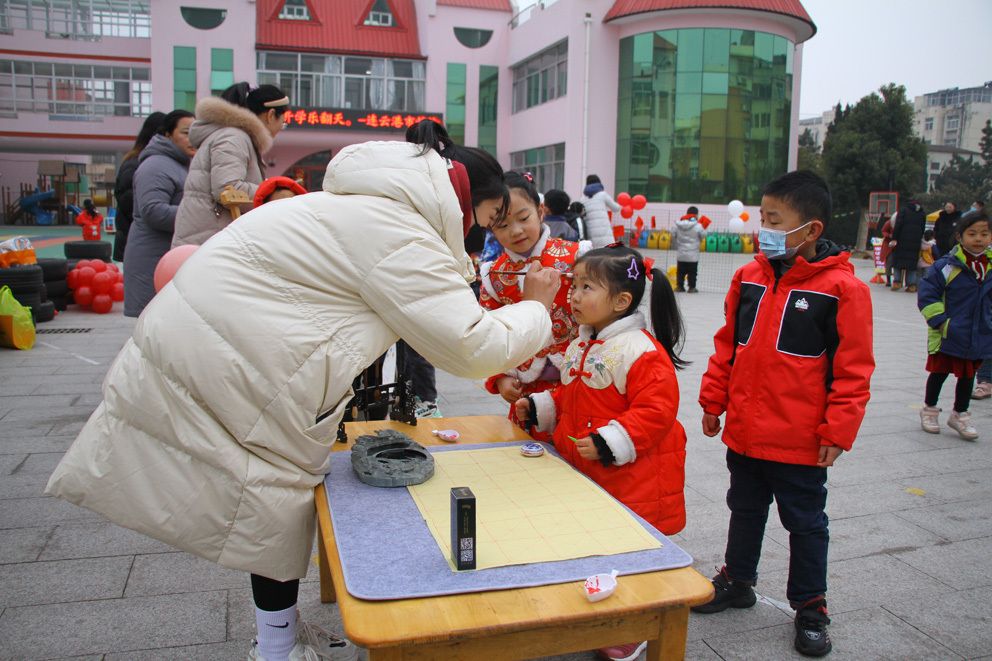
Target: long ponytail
{"x": 666, "y": 320}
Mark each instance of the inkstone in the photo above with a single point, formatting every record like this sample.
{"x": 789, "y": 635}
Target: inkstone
{"x": 391, "y": 459}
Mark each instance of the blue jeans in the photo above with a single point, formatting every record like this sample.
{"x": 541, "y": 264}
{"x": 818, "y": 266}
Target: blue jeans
{"x": 801, "y": 494}
{"x": 985, "y": 371}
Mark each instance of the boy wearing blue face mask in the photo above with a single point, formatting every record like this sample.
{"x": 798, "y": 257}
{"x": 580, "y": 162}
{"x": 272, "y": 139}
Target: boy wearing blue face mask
{"x": 791, "y": 370}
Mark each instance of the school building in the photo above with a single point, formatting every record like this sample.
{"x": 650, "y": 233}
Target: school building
{"x": 680, "y": 100}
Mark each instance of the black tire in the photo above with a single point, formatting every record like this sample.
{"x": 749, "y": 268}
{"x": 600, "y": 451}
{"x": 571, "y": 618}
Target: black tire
{"x": 53, "y": 268}
{"x": 44, "y": 312}
{"x": 22, "y": 274}
{"x": 56, "y": 288}
{"x": 61, "y": 303}
{"x": 89, "y": 250}
{"x": 70, "y": 264}
{"x": 27, "y": 290}
{"x": 29, "y": 300}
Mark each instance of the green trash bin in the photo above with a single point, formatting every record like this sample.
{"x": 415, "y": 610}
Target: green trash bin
{"x": 735, "y": 243}
{"x": 712, "y": 241}
{"x": 723, "y": 244}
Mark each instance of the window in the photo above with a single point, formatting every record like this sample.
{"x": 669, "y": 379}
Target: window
{"x": 928, "y": 124}
{"x": 488, "y": 88}
{"x": 380, "y": 15}
{"x": 454, "y": 110}
{"x": 202, "y": 18}
{"x": 78, "y": 19}
{"x": 547, "y": 164}
{"x": 952, "y": 123}
{"x": 472, "y": 38}
{"x": 221, "y": 69}
{"x": 184, "y": 77}
{"x": 935, "y": 166}
{"x": 336, "y": 81}
{"x": 74, "y": 90}
{"x": 295, "y": 10}
{"x": 541, "y": 78}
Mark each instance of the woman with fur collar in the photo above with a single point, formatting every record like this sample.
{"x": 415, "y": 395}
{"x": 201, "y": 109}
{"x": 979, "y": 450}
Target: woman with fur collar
{"x": 230, "y": 135}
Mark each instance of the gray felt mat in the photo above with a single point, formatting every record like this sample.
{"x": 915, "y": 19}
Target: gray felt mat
{"x": 387, "y": 551}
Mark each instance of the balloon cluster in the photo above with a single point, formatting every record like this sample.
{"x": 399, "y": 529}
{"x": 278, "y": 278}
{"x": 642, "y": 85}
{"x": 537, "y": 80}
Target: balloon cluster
{"x": 630, "y": 204}
{"x": 738, "y": 217}
{"x": 95, "y": 284}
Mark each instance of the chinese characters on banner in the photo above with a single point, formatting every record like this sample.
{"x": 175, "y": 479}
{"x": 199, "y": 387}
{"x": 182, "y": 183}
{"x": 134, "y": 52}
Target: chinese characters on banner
{"x": 353, "y": 119}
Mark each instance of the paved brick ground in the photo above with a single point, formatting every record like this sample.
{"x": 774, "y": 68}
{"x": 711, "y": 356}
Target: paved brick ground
{"x": 911, "y": 521}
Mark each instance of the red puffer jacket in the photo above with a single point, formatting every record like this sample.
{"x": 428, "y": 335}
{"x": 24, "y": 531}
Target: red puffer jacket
{"x": 793, "y": 362}
{"x": 622, "y": 386}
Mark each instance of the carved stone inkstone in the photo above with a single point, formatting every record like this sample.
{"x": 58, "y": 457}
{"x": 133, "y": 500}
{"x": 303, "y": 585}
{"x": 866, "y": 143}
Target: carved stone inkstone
{"x": 391, "y": 459}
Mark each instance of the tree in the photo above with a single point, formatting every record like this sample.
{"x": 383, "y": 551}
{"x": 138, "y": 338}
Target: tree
{"x": 809, "y": 157}
{"x": 985, "y": 145}
{"x": 963, "y": 181}
{"x": 871, "y": 147}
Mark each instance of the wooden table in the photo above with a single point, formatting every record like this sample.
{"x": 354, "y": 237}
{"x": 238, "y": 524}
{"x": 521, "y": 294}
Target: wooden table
{"x": 506, "y": 624}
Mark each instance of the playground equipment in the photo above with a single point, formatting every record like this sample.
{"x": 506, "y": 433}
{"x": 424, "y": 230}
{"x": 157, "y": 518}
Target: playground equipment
{"x": 32, "y": 204}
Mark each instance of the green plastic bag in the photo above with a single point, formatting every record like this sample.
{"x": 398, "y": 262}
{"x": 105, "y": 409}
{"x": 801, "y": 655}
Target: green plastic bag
{"x": 16, "y": 326}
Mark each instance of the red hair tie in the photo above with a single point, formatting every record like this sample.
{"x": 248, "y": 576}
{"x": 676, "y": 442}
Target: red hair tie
{"x": 649, "y": 268}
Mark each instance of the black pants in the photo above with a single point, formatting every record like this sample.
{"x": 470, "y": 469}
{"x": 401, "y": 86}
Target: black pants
{"x": 272, "y": 595}
{"x": 421, "y": 372}
{"x": 801, "y": 495}
{"x": 962, "y": 392}
{"x": 684, "y": 269}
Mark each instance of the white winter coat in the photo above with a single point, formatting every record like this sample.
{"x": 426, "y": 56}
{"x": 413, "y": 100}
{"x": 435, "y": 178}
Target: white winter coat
{"x": 207, "y": 438}
{"x": 598, "y": 227}
{"x": 688, "y": 233}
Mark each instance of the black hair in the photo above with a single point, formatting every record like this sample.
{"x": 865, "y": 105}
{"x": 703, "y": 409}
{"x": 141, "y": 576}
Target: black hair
{"x": 577, "y": 208}
{"x": 521, "y": 182}
{"x": 593, "y": 179}
{"x": 613, "y": 266}
{"x": 150, "y": 127}
{"x": 171, "y": 121}
{"x": 805, "y": 192}
{"x": 927, "y": 234}
{"x": 242, "y": 94}
{"x": 88, "y": 204}
{"x": 968, "y": 220}
{"x": 691, "y": 211}
{"x": 980, "y": 203}
{"x": 557, "y": 201}
{"x": 485, "y": 175}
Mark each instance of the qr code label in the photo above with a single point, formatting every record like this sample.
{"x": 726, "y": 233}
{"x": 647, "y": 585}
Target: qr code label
{"x": 466, "y": 543}
{"x": 467, "y": 556}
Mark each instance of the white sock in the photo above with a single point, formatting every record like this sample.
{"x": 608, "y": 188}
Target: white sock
{"x": 276, "y": 633}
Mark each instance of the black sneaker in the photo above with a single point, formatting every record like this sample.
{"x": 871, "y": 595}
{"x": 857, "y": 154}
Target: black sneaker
{"x": 812, "y": 638}
{"x": 729, "y": 594}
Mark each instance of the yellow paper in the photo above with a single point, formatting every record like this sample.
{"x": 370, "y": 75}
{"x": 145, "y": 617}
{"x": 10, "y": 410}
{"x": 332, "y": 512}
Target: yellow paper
{"x": 528, "y": 509}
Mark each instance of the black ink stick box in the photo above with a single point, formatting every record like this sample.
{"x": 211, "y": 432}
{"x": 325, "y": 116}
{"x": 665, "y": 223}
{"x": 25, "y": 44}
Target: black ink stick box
{"x": 463, "y": 540}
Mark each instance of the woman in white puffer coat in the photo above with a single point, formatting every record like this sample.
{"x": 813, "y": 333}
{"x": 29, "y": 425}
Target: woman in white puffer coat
{"x": 597, "y": 201}
{"x": 219, "y": 413}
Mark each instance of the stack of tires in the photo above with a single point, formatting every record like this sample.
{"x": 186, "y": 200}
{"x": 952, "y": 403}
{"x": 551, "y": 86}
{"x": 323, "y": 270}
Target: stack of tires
{"x": 27, "y": 284}
{"x": 54, "y": 272}
{"x": 77, "y": 250}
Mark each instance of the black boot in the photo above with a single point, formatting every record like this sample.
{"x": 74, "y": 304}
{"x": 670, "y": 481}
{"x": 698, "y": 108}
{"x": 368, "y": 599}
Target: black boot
{"x": 812, "y": 638}
{"x": 728, "y": 594}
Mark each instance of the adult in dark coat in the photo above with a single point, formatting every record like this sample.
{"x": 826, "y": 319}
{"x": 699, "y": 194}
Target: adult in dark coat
{"x": 908, "y": 235}
{"x": 124, "y": 185}
{"x": 943, "y": 229}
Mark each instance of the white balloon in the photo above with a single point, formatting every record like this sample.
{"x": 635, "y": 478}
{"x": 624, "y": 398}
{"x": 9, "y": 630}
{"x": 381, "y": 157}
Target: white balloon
{"x": 737, "y": 225}
{"x": 735, "y": 208}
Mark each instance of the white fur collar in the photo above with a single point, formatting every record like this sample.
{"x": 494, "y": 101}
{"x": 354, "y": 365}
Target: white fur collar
{"x": 211, "y": 110}
{"x": 626, "y": 324}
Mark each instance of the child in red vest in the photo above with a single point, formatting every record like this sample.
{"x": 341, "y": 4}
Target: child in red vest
{"x": 91, "y": 221}
{"x": 526, "y": 240}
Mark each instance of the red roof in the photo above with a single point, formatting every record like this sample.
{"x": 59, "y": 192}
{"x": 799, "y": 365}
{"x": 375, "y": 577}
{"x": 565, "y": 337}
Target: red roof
{"x": 337, "y": 26}
{"x": 789, "y": 8}
{"x": 496, "y": 5}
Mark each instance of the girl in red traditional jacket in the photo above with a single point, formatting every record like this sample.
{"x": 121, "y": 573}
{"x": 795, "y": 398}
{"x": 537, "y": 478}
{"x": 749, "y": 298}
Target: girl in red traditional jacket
{"x": 526, "y": 240}
{"x": 91, "y": 221}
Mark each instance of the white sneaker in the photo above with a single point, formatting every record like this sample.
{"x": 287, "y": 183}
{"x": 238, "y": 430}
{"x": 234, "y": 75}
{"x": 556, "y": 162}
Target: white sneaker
{"x": 314, "y": 644}
{"x": 928, "y": 419}
{"x": 961, "y": 423}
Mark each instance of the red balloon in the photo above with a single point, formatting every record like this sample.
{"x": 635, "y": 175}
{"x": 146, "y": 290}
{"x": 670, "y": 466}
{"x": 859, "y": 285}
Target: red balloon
{"x": 102, "y": 283}
{"x": 638, "y": 202}
{"x": 98, "y": 265}
{"x": 83, "y": 296}
{"x": 81, "y": 263}
{"x": 72, "y": 279}
{"x": 85, "y": 276}
{"x": 102, "y": 304}
{"x": 117, "y": 291}
{"x": 627, "y": 212}
{"x": 170, "y": 263}
{"x": 113, "y": 267}
{"x": 623, "y": 199}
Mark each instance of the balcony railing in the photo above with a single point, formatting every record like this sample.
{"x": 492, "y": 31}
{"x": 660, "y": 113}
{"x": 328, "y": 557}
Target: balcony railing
{"x": 78, "y": 19}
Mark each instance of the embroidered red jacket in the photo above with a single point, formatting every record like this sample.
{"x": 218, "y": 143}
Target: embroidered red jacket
{"x": 622, "y": 386}
{"x": 794, "y": 359}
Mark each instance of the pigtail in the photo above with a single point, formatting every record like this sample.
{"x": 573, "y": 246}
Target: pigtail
{"x": 666, "y": 319}
{"x": 237, "y": 94}
{"x": 430, "y": 135}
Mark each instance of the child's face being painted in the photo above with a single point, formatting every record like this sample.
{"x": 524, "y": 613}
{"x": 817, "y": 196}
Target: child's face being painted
{"x": 521, "y": 228}
{"x": 977, "y": 238}
{"x": 592, "y": 303}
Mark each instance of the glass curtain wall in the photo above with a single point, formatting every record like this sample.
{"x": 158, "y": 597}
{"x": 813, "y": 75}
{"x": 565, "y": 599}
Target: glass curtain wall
{"x": 488, "y": 87}
{"x": 454, "y": 110}
{"x": 703, "y": 114}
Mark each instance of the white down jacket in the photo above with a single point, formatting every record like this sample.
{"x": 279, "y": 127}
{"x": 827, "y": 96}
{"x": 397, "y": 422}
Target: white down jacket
{"x": 207, "y": 436}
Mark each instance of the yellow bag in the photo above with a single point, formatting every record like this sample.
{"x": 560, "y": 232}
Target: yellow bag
{"x": 16, "y": 326}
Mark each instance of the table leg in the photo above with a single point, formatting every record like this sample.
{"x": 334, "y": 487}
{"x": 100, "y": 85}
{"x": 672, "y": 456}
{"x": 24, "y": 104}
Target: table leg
{"x": 327, "y": 595}
{"x": 670, "y": 643}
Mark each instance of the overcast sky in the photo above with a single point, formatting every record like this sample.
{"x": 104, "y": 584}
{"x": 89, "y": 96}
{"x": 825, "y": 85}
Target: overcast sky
{"x": 861, "y": 45}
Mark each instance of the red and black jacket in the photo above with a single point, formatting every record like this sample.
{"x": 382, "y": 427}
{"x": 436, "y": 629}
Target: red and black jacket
{"x": 794, "y": 359}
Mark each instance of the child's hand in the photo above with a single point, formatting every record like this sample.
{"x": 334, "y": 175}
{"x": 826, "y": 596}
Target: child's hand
{"x": 586, "y": 447}
{"x": 711, "y": 424}
{"x": 522, "y": 408}
{"x": 828, "y": 454}
{"x": 509, "y": 388}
